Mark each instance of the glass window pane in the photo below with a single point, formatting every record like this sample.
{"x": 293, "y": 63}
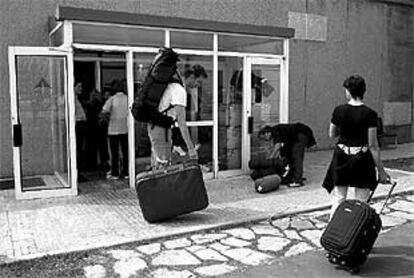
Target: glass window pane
{"x": 106, "y": 34}
{"x": 250, "y": 44}
{"x": 230, "y": 99}
{"x": 202, "y": 138}
{"x": 42, "y": 111}
{"x": 197, "y": 73}
{"x": 142, "y": 62}
{"x": 264, "y": 106}
{"x": 191, "y": 40}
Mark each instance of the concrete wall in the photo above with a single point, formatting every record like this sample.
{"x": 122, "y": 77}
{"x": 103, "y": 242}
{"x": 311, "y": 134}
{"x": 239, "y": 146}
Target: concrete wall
{"x": 371, "y": 38}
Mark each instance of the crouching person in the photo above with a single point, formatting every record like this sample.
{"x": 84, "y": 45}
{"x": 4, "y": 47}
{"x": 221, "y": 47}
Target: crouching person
{"x": 290, "y": 142}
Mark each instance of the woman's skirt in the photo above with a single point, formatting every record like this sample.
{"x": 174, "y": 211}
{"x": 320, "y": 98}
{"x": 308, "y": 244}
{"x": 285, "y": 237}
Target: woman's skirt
{"x": 357, "y": 170}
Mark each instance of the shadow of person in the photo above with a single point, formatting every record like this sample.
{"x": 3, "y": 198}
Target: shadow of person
{"x": 389, "y": 261}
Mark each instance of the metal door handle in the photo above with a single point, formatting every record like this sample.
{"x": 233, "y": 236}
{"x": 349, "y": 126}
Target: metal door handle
{"x": 250, "y": 124}
{"x": 17, "y": 135}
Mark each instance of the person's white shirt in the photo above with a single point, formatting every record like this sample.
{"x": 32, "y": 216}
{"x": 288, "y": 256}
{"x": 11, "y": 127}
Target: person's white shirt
{"x": 117, "y": 107}
{"x": 174, "y": 94}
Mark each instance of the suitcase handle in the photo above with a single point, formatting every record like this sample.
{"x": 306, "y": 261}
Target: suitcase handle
{"x": 393, "y": 185}
{"x": 173, "y": 168}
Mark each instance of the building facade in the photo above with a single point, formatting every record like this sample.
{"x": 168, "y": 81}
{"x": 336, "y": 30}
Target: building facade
{"x": 266, "y": 61}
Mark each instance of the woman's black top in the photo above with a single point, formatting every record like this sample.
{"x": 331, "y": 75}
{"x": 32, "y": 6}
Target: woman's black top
{"x": 353, "y": 123}
{"x": 356, "y": 170}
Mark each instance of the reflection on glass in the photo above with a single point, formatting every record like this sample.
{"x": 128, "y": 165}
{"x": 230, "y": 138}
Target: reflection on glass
{"x": 41, "y": 96}
{"x": 250, "y": 44}
{"x": 230, "y": 95}
{"x": 265, "y": 105}
{"x": 197, "y": 73}
{"x": 202, "y": 138}
{"x": 108, "y": 34}
{"x": 193, "y": 40}
{"x": 142, "y": 62}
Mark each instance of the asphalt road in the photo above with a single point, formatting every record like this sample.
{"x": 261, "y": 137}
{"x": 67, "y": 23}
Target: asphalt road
{"x": 392, "y": 256}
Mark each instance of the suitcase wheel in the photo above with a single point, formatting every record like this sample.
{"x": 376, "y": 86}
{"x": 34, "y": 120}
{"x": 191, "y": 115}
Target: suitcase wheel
{"x": 355, "y": 270}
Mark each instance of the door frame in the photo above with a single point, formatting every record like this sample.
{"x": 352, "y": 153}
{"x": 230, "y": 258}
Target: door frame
{"x": 13, "y": 52}
{"x": 249, "y": 61}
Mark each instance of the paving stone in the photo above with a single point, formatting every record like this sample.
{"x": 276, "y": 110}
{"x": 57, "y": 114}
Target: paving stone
{"x": 297, "y": 249}
{"x": 215, "y": 270}
{"x": 219, "y": 247}
{"x": 232, "y": 241}
{"x": 292, "y": 234}
{"x": 177, "y": 243}
{"x": 166, "y": 273}
{"x": 247, "y": 256}
{"x": 129, "y": 266}
{"x": 301, "y": 224}
{"x": 149, "y": 249}
{"x": 266, "y": 230}
{"x": 175, "y": 257}
{"x": 282, "y": 223}
{"x": 242, "y": 233}
{"x": 121, "y": 254}
{"x": 195, "y": 248}
{"x": 378, "y": 207}
{"x": 383, "y": 231}
{"x": 403, "y": 215}
{"x": 200, "y": 239}
{"x": 403, "y": 205}
{"x": 410, "y": 198}
{"x": 319, "y": 224}
{"x": 272, "y": 243}
{"x": 210, "y": 254}
{"x": 312, "y": 235}
{"x": 390, "y": 221}
{"x": 95, "y": 271}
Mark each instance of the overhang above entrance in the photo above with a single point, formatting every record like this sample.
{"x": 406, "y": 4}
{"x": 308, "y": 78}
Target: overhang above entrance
{"x": 83, "y": 14}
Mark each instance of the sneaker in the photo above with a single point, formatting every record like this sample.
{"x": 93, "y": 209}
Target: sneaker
{"x": 110, "y": 177}
{"x": 179, "y": 150}
{"x": 295, "y": 184}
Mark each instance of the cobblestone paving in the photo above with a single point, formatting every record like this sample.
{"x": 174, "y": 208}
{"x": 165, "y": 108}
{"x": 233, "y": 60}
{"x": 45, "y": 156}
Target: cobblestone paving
{"x": 223, "y": 251}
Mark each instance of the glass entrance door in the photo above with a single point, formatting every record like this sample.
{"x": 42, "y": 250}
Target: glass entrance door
{"x": 41, "y": 123}
{"x": 264, "y": 103}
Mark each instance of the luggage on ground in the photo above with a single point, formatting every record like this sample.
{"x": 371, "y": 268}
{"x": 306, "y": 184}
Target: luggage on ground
{"x": 267, "y": 166}
{"x": 163, "y": 70}
{"x": 277, "y": 163}
{"x": 351, "y": 233}
{"x": 171, "y": 191}
{"x": 267, "y": 183}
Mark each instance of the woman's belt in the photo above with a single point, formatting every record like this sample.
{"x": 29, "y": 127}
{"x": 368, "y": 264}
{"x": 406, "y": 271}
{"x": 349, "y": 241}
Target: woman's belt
{"x": 352, "y": 150}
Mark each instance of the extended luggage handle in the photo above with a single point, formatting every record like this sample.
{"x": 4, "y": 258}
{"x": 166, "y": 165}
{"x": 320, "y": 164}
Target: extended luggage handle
{"x": 393, "y": 185}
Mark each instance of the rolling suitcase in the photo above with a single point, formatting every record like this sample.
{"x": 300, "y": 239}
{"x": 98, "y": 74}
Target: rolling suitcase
{"x": 267, "y": 183}
{"x": 351, "y": 233}
{"x": 171, "y": 191}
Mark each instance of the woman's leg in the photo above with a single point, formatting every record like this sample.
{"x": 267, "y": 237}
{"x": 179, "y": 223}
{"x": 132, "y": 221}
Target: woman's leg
{"x": 338, "y": 195}
{"x": 361, "y": 194}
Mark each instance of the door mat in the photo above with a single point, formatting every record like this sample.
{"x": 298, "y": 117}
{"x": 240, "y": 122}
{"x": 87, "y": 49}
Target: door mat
{"x": 29, "y": 182}
{"x": 406, "y": 164}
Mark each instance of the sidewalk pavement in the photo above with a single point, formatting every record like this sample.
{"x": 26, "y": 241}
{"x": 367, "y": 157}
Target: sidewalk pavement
{"x": 33, "y": 228}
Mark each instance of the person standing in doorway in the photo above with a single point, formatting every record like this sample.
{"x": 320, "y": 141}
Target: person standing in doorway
{"x": 117, "y": 108}
{"x": 357, "y": 155}
{"x": 80, "y": 126}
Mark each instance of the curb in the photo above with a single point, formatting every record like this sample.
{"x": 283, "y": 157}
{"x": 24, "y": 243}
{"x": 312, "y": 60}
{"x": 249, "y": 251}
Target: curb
{"x": 216, "y": 227}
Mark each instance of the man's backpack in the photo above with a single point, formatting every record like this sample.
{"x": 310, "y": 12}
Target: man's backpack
{"x": 163, "y": 70}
